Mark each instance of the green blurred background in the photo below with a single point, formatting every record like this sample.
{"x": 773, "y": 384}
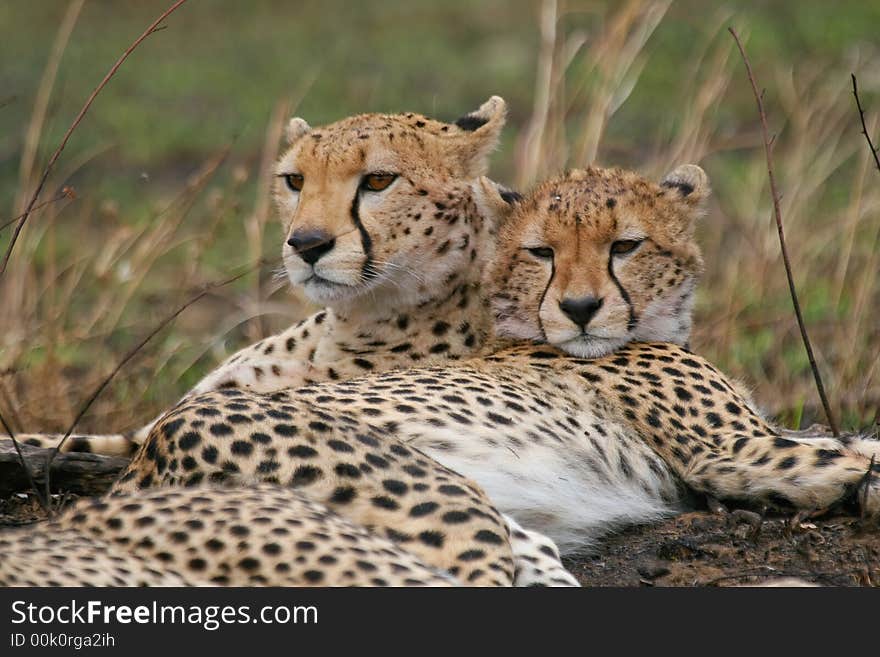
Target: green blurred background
{"x": 214, "y": 77}
{"x": 216, "y": 72}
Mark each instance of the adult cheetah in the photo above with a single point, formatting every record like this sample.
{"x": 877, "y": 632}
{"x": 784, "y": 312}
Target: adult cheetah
{"x": 389, "y": 220}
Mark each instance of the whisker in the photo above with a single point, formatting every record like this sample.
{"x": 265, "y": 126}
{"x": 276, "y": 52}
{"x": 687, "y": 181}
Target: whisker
{"x": 402, "y": 268}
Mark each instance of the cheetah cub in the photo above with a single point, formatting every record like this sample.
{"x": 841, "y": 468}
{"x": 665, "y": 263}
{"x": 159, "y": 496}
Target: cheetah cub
{"x": 600, "y": 258}
{"x": 389, "y": 221}
{"x": 567, "y": 445}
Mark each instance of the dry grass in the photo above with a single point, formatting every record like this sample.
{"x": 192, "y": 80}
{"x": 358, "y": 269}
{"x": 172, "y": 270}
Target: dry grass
{"x": 81, "y": 281}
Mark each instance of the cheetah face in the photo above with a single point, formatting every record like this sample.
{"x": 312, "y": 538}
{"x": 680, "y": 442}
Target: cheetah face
{"x": 598, "y": 258}
{"x": 386, "y": 205}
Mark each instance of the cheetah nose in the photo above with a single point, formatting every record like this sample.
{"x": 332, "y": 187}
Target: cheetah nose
{"x": 310, "y": 245}
{"x": 581, "y": 310}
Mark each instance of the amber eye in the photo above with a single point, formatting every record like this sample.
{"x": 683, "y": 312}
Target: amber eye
{"x": 543, "y": 252}
{"x": 376, "y": 182}
{"x": 294, "y": 181}
{"x": 622, "y": 247}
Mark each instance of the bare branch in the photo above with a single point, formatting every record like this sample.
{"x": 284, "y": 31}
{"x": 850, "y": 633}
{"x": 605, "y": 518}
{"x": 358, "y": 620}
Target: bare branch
{"x": 79, "y": 117}
{"x": 79, "y": 473}
{"x": 778, "y": 216}
{"x": 862, "y": 117}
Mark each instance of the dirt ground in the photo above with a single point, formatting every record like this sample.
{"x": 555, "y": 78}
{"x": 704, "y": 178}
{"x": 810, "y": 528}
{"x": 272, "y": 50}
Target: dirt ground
{"x": 698, "y": 548}
{"x": 21, "y": 509}
{"x": 701, "y": 548}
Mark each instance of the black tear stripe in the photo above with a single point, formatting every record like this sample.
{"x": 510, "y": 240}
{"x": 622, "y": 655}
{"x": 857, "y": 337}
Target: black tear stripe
{"x": 631, "y": 322}
{"x": 544, "y": 294}
{"x": 367, "y": 272}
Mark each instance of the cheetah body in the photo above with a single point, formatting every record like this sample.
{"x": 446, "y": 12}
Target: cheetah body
{"x": 352, "y": 466}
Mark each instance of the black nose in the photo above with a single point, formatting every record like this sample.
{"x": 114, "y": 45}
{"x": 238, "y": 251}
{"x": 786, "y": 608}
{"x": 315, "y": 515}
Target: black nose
{"x": 310, "y": 245}
{"x": 582, "y": 310}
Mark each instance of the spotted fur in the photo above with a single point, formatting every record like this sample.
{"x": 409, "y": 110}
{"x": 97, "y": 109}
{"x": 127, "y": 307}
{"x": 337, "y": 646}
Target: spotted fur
{"x": 206, "y": 536}
{"x": 354, "y": 467}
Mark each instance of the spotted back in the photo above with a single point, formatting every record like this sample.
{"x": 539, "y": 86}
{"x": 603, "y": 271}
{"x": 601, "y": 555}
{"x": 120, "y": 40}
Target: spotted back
{"x": 355, "y": 467}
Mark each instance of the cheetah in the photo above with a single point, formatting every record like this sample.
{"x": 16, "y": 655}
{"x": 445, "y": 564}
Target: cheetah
{"x": 207, "y": 536}
{"x": 389, "y": 220}
{"x": 565, "y": 430}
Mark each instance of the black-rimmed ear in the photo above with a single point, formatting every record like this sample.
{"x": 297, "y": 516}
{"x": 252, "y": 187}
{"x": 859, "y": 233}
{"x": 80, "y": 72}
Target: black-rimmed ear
{"x": 689, "y": 182}
{"x": 494, "y": 201}
{"x": 509, "y": 196}
{"x": 295, "y": 129}
{"x": 477, "y": 135}
{"x": 490, "y": 112}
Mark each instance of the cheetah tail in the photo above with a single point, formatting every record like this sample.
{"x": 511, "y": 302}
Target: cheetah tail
{"x": 105, "y": 445}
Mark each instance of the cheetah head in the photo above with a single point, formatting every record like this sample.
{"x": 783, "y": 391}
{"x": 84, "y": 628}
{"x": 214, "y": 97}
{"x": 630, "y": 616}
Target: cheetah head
{"x": 594, "y": 259}
{"x": 387, "y": 206}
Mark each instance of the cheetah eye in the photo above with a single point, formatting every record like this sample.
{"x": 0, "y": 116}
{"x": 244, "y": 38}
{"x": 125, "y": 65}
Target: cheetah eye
{"x": 542, "y": 252}
{"x": 376, "y": 182}
{"x": 294, "y": 181}
{"x": 622, "y": 247}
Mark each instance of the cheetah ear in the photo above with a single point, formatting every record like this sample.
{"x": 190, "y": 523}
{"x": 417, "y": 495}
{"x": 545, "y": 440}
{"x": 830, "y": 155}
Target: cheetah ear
{"x": 477, "y": 135}
{"x": 494, "y": 201}
{"x": 688, "y": 182}
{"x": 296, "y": 128}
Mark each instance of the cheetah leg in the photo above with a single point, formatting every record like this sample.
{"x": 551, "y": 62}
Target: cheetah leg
{"x": 776, "y": 469}
{"x": 536, "y": 558}
{"x": 864, "y": 444}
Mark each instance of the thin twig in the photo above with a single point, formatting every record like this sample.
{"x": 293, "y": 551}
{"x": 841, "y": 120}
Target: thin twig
{"x": 44, "y": 502}
{"x": 66, "y": 192}
{"x": 866, "y": 482}
{"x": 778, "y": 216}
{"x": 79, "y": 117}
{"x": 40, "y": 111}
{"x": 205, "y": 290}
{"x": 862, "y": 117}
